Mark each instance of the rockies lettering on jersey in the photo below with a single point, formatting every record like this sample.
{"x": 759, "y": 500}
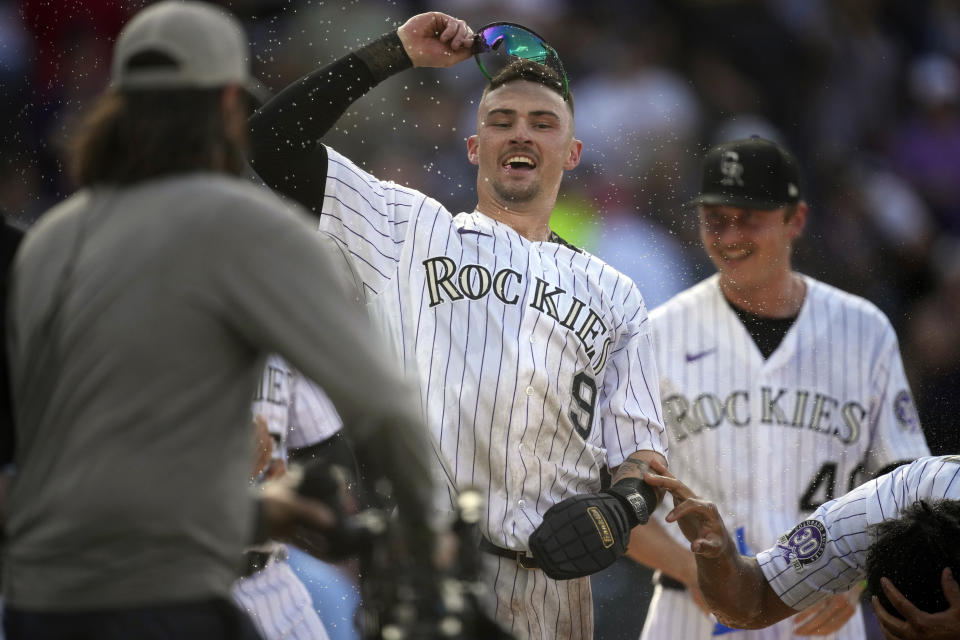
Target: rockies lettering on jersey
{"x": 475, "y": 282}
{"x": 781, "y": 407}
{"x": 274, "y": 386}
{"x": 533, "y": 360}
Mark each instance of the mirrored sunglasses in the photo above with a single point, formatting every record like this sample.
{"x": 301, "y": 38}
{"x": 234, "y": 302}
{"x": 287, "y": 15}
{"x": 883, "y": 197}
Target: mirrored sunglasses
{"x": 498, "y": 43}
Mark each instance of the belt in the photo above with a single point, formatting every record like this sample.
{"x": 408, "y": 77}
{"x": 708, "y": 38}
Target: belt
{"x": 524, "y": 560}
{"x": 667, "y": 582}
{"x": 254, "y": 561}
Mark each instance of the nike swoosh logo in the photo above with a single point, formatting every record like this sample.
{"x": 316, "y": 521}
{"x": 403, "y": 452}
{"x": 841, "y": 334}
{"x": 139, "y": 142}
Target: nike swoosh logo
{"x": 474, "y": 231}
{"x": 693, "y": 357}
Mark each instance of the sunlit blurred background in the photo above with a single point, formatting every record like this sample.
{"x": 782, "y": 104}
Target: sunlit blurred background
{"x": 865, "y": 92}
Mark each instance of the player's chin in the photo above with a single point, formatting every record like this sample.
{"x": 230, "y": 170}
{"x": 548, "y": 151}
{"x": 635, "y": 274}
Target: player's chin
{"x": 514, "y": 192}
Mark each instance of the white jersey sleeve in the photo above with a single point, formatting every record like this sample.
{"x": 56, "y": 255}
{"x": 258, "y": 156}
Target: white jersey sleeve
{"x": 368, "y": 217}
{"x": 313, "y": 418}
{"x": 630, "y": 414}
{"x": 896, "y": 434}
{"x": 826, "y": 553}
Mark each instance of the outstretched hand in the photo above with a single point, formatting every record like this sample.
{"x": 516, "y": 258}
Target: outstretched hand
{"x": 829, "y": 615}
{"x": 699, "y": 520}
{"x": 916, "y": 623}
{"x": 436, "y": 39}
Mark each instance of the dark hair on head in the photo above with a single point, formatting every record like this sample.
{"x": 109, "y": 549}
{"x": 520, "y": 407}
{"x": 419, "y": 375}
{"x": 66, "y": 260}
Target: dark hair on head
{"x": 130, "y": 136}
{"x": 912, "y": 552}
{"x": 522, "y": 69}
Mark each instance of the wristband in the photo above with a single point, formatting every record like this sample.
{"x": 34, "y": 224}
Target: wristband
{"x": 384, "y": 56}
{"x": 637, "y": 496}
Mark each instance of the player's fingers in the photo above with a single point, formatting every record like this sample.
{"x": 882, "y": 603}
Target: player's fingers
{"x": 893, "y": 628}
{"x": 464, "y": 37}
{"x": 950, "y": 587}
{"x": 660, "y": 468}
{"x": 676, "y": 488}
{"x": 897, "y": 599}
{"x": 807, "y": 614}
{"x": 824, "y": 618}
{"x": 693, "y": 507}
{"x": 707, "y": 546}
{"x": 450, "y": 30}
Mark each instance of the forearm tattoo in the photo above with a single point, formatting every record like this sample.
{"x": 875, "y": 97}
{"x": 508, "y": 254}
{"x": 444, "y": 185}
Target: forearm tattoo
{"x": 630, "y": 468}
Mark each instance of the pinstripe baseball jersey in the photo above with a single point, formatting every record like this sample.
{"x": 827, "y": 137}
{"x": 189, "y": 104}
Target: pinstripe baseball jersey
{"x": 769, "y": 440}
{"x": 298, "y": 412}
{"x": 533, "y": 359}
{"x": 826, "y": 553}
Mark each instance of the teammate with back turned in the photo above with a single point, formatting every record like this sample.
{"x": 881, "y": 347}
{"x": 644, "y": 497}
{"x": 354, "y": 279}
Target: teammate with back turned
{"x": 779, "y": 391}
{"x": 533, "y": 358}
{"x": 141, "y": 311}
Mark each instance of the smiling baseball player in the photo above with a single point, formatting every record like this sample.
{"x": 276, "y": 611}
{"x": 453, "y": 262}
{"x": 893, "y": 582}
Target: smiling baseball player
{"x": 534, "y": 358}
{"x": 779, "y": 392}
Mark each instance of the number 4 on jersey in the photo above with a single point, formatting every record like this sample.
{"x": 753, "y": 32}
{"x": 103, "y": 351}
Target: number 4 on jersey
{"x": 826, "y": 476}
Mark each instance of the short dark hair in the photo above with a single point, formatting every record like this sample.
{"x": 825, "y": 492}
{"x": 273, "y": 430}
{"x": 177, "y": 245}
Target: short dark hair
{"x": 522, "y": 69}
{"x": 912, "y": 552}
{"x": 133, "y": 135}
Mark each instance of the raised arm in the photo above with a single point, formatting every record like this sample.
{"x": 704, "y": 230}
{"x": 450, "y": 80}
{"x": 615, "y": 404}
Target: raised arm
{"x": 286, "y": 131}
{"x": 733, "y": 586}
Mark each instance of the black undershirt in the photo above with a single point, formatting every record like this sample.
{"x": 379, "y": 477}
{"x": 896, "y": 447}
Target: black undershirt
{"x": 767, "y": 333}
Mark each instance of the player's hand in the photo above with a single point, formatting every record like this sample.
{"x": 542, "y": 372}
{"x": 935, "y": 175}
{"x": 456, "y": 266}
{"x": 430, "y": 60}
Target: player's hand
{"x": 699, "y": 520}
{"x": 263, "y": 445}
{"x": 435, "y": 39}
{"x": 828, "y": 615}
{"x": 916, "y": 623}
{"x": 293, "y": 518}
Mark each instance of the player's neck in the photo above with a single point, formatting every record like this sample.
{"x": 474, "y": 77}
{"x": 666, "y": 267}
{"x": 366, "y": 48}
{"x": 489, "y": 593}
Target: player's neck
{"x": 781, "y": 298}
{"x": 530, "y": 221}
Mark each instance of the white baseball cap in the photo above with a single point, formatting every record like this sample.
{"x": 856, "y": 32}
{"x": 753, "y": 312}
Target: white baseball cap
{"x": 205, "y": 45}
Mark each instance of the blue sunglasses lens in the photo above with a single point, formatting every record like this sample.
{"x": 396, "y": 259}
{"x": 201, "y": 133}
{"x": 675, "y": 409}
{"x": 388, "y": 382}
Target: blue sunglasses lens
{"x": 500, "y": 43}
{"x": 515, "y": 42}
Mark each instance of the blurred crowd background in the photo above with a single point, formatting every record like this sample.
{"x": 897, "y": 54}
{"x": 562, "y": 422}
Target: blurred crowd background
{"x": 865, "y": 92}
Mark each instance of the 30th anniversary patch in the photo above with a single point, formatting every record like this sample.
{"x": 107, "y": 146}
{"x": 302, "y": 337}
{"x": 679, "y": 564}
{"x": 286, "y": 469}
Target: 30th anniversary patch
{"x": 804, "y": 544}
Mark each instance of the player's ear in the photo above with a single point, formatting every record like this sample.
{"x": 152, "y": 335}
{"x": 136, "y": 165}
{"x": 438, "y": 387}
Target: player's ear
{"x": 573, "y": 155}
{"x": 798, "y": 221}
{"x": 473, "y": 150}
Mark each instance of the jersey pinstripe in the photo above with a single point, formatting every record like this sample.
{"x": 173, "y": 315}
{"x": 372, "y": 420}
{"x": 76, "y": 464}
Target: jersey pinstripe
{"x": 846, "y": 521}
{"x": 312, "y": 416}
{"x": 279, "y": 604}
{"x": 298, "y": 414}
{"x": 770, "y": 440}
{"x": 534, "y": 360}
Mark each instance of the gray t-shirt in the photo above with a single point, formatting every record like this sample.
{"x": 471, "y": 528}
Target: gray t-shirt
{"x": 140, "y": 319}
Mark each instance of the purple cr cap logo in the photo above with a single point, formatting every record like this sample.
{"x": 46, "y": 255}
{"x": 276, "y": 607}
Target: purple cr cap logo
{"x": 804, "y": 544}
{"x": 905, "y": 412}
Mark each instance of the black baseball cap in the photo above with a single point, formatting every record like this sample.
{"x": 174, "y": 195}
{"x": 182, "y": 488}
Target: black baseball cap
{"x": 753, "y": 173}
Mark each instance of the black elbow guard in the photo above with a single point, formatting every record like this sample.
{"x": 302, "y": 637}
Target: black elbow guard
{"x": 637, "y": 497}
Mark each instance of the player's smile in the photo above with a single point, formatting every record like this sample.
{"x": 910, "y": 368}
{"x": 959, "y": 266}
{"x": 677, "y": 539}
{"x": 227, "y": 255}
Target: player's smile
{"x": 519, "y": 163}
{"x": 734, "y": 254}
